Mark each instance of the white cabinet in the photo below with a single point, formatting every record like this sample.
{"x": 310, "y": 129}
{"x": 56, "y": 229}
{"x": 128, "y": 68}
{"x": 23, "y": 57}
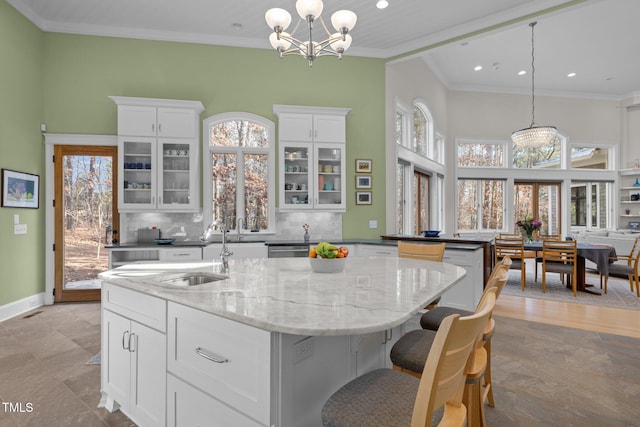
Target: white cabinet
{"x": 240, "y": 250}
{"x": 466, "y": 293}
{"x": 312, "y": 153}
{"x": 629, "y": 199}
{"x": 228, "y": 361}
{"x": 323, "y": 126}
{"x": 133, "y": 366}
{"x": 158, "y": 146}
{"x": 119, "y": 256}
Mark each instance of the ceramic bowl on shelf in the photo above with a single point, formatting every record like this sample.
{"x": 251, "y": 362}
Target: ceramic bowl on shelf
{"x": 326, "y": 265}
{"x": 431, "y": 233}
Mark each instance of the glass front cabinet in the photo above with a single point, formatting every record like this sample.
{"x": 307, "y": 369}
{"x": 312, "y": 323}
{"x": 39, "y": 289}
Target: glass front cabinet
{"x": 158, "y": 154}
{"x": 311, "y": 158}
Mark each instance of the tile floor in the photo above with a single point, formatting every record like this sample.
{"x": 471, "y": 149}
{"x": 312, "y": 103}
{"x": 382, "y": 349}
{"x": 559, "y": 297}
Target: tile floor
{"x": 43, "y": 365}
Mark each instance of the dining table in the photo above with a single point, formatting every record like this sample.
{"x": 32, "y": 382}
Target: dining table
{"x": 599, "y": 254}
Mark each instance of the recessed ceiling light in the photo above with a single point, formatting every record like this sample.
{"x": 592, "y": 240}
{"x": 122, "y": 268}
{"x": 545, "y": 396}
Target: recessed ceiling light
{"x": 522, "y": 72}
{"x": 381, "y": 4}
{"x": 571, "y": 75}
{"x": 477, "y": 68}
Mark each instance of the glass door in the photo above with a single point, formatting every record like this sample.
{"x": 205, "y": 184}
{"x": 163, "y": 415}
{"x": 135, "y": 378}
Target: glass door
{"x": 540, "y": 200}
{"x": 296, "y": 183}
{"x": 329, "y": 172}
{"x": 86, "y": 219}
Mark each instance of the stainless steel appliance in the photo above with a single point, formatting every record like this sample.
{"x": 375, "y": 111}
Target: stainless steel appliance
{"x": 288, "y": 251}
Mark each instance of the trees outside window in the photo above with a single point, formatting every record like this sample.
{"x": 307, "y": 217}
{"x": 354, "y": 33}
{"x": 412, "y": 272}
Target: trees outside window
{"x": 240, "y": 162}
{"x": 480, "y": 204}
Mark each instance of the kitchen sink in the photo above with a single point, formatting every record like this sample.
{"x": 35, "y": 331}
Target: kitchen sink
{"x": 191, "y": 279}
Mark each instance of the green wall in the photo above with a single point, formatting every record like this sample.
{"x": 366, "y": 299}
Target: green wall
{"x": 21, "y": 50}
{"x": 65, "y": 80}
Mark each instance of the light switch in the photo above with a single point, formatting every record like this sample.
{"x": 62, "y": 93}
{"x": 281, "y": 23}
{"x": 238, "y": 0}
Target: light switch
{"x": 373, "y": 223}
{"x": 20, "y": 229}
{"x": 16, "y": 219}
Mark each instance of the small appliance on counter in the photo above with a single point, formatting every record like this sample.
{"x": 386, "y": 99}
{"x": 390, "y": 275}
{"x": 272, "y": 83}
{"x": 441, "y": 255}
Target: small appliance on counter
{"x": 148, "y": 235}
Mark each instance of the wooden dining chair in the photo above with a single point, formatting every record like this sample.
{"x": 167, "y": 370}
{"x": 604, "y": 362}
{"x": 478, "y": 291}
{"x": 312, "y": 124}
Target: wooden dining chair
{"x": 425, "y": 251}
{"x": 629, "y": 269}
{"x": 539, "y": 254}
{"x": 624, "y": 265}
{"x": 383, "y": 397}
{"x": 432, "y": 319}
{"x": 513, "y": 247}
{"x": 560, "y": 256}
{"x": 408, "y": 356}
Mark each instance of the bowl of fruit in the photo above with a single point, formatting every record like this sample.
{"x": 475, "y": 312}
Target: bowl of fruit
{"x": 328, "y": 258}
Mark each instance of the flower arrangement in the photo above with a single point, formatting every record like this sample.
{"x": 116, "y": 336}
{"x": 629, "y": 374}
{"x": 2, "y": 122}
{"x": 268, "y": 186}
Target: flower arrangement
{"x": 529, "y": 225}
{"x": 306, "y": 232}
{"x": 306, "y": 227}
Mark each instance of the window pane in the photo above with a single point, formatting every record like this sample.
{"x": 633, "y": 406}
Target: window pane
{"x": 492, "y": 198}
{"x": 224, "y": 187}
{"x": 400, "y": 198}
{"x": 545, "y": 157}
{"x": 467, "y": 204}
{"x": 419, "y": 132}
{"x": 399, "y": 118}
{"x": 421, "y": 197}
{"x": 256, "y": 191}
{"x": 579, "y": 205}
{"x": 589, "y": 158}
{"x": 239, "y": 133}
{"x": 480, "y": 155}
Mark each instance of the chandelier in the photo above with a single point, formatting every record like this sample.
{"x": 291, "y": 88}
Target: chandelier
{"x": 309, "y": 10}
{"x": 533, "y": 136}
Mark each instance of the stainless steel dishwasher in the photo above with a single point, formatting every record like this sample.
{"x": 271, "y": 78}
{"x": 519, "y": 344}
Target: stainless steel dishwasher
{"x": 288, "y": 251}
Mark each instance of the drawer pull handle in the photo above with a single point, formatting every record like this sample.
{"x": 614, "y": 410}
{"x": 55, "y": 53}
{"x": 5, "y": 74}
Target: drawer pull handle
{"x": 210, "y": 356}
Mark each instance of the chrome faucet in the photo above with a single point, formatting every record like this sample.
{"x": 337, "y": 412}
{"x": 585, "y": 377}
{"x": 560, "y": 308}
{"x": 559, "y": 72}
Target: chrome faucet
{"x": 240, "y": 224}
{"x": 225, "y": 253}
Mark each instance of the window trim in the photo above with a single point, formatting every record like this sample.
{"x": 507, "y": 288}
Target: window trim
{"x": 207, "y": 165}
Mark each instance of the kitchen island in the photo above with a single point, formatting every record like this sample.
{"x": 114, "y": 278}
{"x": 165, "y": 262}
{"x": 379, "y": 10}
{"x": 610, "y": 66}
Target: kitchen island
{"x": 265, "y": 345}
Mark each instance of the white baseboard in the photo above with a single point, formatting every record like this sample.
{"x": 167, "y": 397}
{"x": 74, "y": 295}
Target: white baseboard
{"x": 16, "y": 308}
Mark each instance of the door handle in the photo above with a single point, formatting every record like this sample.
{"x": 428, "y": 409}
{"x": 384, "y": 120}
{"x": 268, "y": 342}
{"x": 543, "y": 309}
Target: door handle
{"x": 126, "y": 338}
{"x": 133, "y": 343}
{"x": 210, "y": 356}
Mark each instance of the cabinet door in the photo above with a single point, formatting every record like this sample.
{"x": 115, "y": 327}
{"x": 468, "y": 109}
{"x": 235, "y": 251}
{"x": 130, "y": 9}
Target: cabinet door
{"x": 177, "y": 123}
{"x": 137, "y": 167}
{"x": 116, "y": 358}
{"x": 329, "y": 176}
{"x": 177, "y": 177}
{"x": 148, "y": 375}
{"x": 295, "y": 127}
{"x": 327, "y": 128}
{"x": 188, "y": 406}
{"x": 296, "y": 184}
{"x": 136, "y": 120}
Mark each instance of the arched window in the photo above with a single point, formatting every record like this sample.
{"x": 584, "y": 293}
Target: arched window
{"x": 239, "y": 171}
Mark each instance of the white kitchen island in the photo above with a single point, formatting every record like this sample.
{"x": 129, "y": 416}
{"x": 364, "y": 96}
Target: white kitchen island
{"x": 264, "y": 346}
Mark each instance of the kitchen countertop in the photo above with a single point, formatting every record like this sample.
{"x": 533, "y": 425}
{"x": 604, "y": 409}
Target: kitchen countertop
{"x": 284, "y": 295}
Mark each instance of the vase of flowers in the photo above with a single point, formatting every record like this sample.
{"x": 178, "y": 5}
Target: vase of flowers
{"x": 306, "y": 232}
{"x": 528, "y": 226}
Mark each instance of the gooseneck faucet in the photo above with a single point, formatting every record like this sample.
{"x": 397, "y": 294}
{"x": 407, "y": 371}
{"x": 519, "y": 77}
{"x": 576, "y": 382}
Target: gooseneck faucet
{"x": 225, "y": 253}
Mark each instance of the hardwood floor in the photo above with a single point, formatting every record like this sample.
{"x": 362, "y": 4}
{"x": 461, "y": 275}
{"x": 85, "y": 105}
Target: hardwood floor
{"x": 587, "y": 317}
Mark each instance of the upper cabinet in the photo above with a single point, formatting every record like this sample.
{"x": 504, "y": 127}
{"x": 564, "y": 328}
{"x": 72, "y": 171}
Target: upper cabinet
{"x": 158, "y": 151}
{"x": 311, "y": 157}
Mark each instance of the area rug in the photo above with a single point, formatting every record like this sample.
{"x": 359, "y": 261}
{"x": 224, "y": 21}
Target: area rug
{"x": 95, "y": 360}
{"x": 618, "y": 295}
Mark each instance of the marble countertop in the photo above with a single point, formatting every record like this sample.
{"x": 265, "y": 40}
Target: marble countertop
{"x": 284, "y": 295}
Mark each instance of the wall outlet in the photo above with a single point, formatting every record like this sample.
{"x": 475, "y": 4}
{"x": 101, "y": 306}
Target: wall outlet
{"x": 373, "y": 223}
{"x": 303, "y": 349}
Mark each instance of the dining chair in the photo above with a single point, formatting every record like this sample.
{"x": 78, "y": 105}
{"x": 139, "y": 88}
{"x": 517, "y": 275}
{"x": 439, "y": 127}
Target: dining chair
{"x": 429, "y": 252}
{"x": 539, "y": 254}
{"x": 408, "y": 356}
{"x": 432, "y": 319}
{"x": 382, "y": 397}
{"x": 630, "y": 269}
{"x": 560, "y": 256}
{"x": 513, "y": 247}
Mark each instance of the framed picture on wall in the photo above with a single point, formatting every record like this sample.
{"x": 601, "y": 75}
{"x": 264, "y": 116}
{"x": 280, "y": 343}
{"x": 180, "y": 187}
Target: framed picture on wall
{"x": 363, "y": 166}
{"x": 363, "y": 197}
{"x": 20, "y": 190}
{"x": 363, "y": 181}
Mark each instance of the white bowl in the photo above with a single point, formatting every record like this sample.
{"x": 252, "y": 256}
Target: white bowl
{"x": 325, "y": 265}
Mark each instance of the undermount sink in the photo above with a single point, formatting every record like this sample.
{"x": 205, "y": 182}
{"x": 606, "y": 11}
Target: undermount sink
{"x": 191, "y": 279}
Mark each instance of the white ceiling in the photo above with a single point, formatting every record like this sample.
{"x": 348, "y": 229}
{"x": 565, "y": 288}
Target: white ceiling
{"x": 597, "y": 39}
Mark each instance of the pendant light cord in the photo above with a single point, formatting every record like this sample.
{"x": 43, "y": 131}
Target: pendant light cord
{"x": 533, "y": 73}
